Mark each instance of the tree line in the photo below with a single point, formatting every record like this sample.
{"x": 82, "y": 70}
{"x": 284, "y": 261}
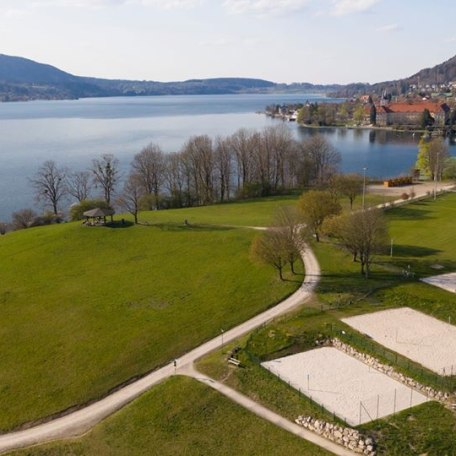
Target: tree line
{"x": 205, "y": 170}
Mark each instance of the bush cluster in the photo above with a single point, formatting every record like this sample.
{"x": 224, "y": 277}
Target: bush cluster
{"x": 400, "y": 181}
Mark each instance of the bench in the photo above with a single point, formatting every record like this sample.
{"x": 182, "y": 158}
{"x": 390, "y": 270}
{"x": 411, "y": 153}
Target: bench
{"x": 234, "y": 361}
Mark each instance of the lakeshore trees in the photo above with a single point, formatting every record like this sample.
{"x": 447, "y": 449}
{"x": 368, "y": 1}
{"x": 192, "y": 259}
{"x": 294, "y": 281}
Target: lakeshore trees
{"x": 244, "y": 165}
{"x": 105, "y": 172}
{"x": 49, "y": 185}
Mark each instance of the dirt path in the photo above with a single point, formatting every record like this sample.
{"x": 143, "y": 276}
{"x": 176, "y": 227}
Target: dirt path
{"x": 79, "y": 422}
{"x": 265, "y": 413}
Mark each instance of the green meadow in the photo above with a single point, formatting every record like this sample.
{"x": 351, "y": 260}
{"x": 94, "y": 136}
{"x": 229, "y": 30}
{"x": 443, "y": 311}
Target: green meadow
{"x": 181, "y": 417}
{"x": 85, "y": 309}
{"x": 424, "y": 235}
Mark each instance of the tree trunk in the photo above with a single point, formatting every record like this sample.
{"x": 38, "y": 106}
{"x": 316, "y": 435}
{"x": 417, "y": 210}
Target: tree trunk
{"x": 280, "y": 274}
{"x": 292, "y": 267}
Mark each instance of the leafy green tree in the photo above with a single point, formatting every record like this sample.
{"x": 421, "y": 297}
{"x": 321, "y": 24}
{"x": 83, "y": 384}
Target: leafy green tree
{"x": 373, "y": 114}
{"x": 358, "y": 114}
{"x": 449, "y": 170}
{"x": 316, "y": 206}
{"x": 426, "y": 119}
{"x": 432, "y": 156}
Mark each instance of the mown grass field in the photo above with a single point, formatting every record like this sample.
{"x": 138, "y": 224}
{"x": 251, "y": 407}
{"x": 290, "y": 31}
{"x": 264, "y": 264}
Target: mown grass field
{"x": 427, "y": 237}
{"x": 181, "y": 417}
{"x": 256, "y": 212}
{"x": 84, "y": 309}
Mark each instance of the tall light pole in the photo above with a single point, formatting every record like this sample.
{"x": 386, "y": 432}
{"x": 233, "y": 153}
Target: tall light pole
{"x": 364, "y": 185}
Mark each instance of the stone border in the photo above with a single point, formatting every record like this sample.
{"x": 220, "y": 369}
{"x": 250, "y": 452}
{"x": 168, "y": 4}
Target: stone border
{"x": 447, "y": 399}
{"x": 348, "y": 437}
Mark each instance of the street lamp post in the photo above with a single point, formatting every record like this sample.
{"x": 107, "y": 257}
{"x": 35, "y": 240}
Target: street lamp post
{"x": 364, "y": 185}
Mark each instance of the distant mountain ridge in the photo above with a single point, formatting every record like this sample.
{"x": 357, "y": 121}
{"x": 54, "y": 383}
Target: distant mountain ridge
{"x": 25, "y": 79}
{"x": 444, "y": 73}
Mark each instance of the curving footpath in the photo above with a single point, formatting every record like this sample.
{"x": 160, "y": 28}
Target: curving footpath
{"x": 79, "y": 422}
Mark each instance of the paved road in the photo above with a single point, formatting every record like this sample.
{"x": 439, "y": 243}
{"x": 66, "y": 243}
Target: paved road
{"x": 78, "y": 422}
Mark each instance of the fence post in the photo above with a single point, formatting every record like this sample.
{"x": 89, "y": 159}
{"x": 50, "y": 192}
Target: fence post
{"x": 360, "y": 412}
{"x": 394, "y": 409}
{"x": 378, "y": 404}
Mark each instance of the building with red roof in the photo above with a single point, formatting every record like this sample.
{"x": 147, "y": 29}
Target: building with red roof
{"x": 410, "y": 114}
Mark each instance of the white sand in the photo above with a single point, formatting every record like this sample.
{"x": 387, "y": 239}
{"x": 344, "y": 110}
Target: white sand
{"x": 424, "y": 339}
{"x": 445, "y": 281}
{"x": 344, "y": 385}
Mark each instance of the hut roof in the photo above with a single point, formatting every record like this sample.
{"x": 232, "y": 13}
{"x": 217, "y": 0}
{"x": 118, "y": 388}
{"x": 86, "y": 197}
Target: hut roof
{"x": 98, "y": 212}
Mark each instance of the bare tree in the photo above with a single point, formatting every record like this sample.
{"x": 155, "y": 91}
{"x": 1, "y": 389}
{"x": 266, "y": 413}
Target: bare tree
{"x": 223, "y": 166}
{"x": 175, "y": 179}
{"x": 348, "y": 185}
{"x": 320, "y": 159}
{"x": 23, "y": 218}
{"x": 149, "y": 165}
{"x": 363, "y": 233}
{"x": 241, "y": 143}
{"x": 316, "y": 206}
{"x": 287, "y": 222}
{"x": 132, "y": 192}
{"x": 268, "y": 248}
{"x": 105, "y": 174}
{"x": 78, "y": 185}
{"x": 49, "y": 185}
{"x": 198, "y": 157}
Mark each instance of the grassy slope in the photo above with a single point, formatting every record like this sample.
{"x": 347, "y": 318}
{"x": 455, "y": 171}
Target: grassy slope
{"x": 244, "y": 213}
{"x": 181, "y": 417}
{"x": 85, "y": 309}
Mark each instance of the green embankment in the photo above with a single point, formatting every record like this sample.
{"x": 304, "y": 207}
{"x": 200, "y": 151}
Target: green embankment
{"x": 181, "y": 417}
{"x": 84, "y": 309}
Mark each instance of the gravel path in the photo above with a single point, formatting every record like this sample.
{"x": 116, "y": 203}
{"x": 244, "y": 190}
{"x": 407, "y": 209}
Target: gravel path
{"x": 81, "y": 421}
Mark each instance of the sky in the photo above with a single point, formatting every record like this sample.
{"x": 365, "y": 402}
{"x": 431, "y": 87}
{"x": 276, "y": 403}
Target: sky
{"x": 317, "y": 41}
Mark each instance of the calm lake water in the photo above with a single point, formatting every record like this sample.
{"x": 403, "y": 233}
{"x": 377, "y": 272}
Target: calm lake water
{"x": 74, "y": 132}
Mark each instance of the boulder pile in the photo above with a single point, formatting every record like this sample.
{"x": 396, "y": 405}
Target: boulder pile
{"x": 345, "y": 436}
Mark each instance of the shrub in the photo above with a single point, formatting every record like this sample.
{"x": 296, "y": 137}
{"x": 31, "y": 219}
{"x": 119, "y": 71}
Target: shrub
{"x": 405, "y": 196}
{"x": 400, "y": 181}
{"x": 23, "y": 218}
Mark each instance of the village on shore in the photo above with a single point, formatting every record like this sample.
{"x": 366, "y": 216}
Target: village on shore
{"x": 430, "y": 107}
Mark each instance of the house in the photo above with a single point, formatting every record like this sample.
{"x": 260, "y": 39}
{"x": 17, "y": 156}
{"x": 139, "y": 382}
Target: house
{"x": 411, "y": 113}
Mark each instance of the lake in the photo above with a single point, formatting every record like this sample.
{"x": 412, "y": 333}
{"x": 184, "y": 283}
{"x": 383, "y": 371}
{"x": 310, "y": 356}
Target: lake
{"x": 74, "y": 132}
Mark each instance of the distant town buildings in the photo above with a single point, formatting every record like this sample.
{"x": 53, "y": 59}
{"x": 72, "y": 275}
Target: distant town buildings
{"x": 404, "y": 113}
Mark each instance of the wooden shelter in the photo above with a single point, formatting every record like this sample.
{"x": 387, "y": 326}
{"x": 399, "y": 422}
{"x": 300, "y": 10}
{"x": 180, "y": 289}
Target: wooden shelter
{"x": 97, "y": 216}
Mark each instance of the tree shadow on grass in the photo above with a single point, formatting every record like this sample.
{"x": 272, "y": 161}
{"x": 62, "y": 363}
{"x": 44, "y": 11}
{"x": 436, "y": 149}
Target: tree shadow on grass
{"x": 410, "y": 213}
{"x": 414, "y": 251}
{"x": 119, "y": 224}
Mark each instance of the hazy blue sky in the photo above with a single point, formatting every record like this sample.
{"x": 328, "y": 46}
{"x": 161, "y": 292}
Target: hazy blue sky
{"x": 319, "y": 41}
